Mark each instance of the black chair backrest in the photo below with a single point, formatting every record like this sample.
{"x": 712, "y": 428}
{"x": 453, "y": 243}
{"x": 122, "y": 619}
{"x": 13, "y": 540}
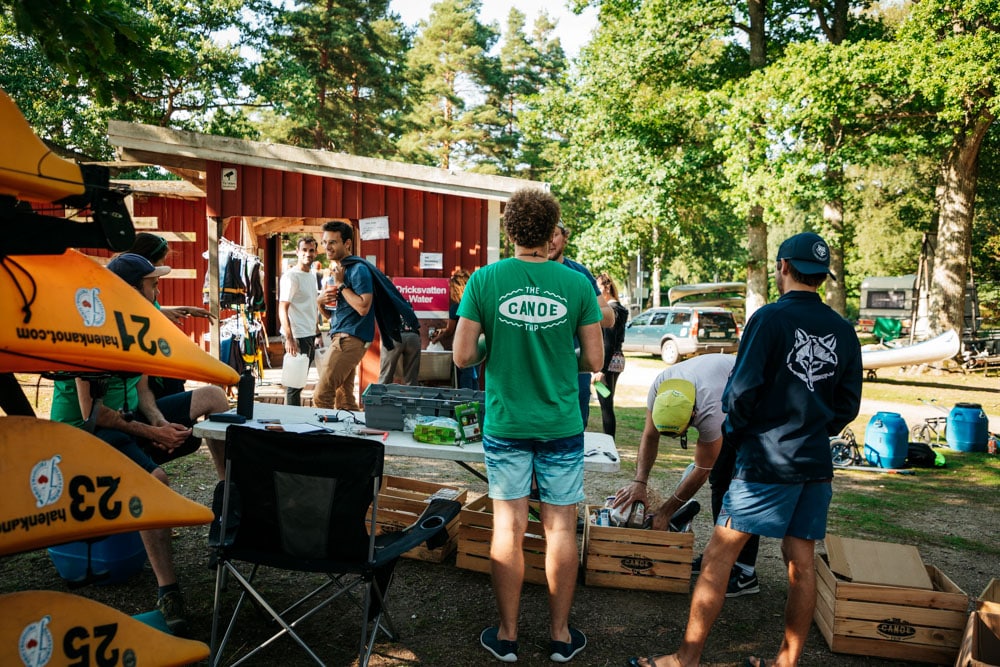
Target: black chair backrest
{"x": 302, "y": 495}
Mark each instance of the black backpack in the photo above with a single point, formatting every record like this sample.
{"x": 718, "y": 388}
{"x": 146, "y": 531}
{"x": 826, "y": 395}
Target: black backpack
{"x": 920, "y": 455}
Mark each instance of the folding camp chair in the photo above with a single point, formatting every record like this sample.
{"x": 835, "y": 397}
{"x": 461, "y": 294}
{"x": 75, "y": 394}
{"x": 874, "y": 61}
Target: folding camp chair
{"x": 299, "y": 502}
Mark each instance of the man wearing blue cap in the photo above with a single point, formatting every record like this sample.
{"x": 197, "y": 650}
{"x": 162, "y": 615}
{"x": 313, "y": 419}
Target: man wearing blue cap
{"x": 148, "y": 431}
{"x": 796, "y": 382}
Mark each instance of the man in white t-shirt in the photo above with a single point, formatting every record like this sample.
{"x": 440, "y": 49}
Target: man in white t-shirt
{"x": 297, "y": 309}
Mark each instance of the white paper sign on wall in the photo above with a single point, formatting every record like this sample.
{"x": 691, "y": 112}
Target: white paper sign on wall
{"x": 373, "y": 229}
{"x": 431, "y": 260}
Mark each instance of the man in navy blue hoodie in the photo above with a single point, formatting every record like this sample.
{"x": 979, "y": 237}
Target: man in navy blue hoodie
{"x": 796, "y": 382}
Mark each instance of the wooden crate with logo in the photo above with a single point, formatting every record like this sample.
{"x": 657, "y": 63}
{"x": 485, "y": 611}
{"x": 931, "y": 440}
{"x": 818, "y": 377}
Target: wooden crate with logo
{"x": 894, "y": 622}
{"x": 631, "y": 558}
{"x": 401, "y": 501}
{"x": 476, "y": 531}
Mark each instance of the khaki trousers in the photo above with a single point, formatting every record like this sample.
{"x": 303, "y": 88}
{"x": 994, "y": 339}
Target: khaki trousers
{"x": 335, "y": 388}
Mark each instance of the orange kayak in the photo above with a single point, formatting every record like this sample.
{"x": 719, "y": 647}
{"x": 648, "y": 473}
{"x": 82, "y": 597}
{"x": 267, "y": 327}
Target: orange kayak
{"x": 68, "y": 313}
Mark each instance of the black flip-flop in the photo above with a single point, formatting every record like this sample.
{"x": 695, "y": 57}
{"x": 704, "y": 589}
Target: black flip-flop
{"x": 760, "y": 663}
{"x": 650, "y": 661}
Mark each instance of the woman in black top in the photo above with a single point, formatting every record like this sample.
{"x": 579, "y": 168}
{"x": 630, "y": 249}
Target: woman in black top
{"x": 614, "y": 361}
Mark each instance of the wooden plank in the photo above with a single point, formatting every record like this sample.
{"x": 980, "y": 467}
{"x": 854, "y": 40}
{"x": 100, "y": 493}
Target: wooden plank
{"x": 672, "y": 554}
{"x": 940, "y": 655}
{"x": 145, "y": 222}
{"x": 872, "y": 611}
{"x": 663, "y": 585}
{"x": 638, "y": 536}
{"x": 640, "y": 567}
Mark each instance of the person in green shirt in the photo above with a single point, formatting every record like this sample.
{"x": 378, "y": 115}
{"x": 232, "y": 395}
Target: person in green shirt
{"x": 528, "y": 310}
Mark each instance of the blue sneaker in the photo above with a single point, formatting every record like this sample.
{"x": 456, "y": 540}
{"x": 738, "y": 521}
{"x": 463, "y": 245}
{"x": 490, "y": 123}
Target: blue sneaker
{"x": 503, "y": 650}
{"x": 566, "y": 651}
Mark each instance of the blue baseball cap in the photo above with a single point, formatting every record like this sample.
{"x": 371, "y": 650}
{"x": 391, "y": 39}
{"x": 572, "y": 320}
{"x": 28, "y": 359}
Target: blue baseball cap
{"x": 132, "y": 268}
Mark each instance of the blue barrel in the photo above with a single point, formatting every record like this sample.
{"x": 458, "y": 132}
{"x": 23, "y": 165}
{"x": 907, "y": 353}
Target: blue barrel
{"x": 886, "y": 440}
{"x": 968, "y": 428}
{"x": 113, "y": 559}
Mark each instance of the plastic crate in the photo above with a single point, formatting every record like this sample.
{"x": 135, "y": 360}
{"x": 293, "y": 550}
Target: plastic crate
{"x": 387, "y": 404}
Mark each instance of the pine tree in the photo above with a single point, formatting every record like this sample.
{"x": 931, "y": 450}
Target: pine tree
{"x": 450, "y": 65}
{"x": 334, "y": 72}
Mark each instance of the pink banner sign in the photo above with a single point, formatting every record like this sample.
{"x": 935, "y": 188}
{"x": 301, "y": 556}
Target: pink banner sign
{"x": 428, "y": 296}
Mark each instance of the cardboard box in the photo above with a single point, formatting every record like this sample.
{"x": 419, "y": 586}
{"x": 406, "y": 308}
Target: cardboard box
{"x": 894, "y": 622}
{"x": 476, "y": 531}
{"x": 631, "y": 558}
{"x": 401, "y": 501}
{"x": 981, "y": 642}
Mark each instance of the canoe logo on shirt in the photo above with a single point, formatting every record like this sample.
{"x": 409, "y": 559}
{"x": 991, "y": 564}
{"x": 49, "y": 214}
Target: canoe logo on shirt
{"x": 813, "y": 358}
{"x": 47, "y": 481}
{"x": 35, "y": 644}
{"x": 90, "y": 307}
{"x": 532, "y": 308}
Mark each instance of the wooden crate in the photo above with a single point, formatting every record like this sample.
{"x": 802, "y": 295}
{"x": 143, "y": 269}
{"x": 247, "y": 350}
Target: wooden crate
{"x": 401, "y": 501}
{"x": 989, "y": 599}
{"x": 476, "y": 531}
{"x": 891, "y": 622}
{"x": 631, "y": 558}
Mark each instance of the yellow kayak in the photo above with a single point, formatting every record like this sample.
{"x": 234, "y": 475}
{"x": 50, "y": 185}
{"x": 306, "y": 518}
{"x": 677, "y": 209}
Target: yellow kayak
{"x": 62, "y": 484}
{"x": 68, "y": 313}
{"x": 53, "y": 629}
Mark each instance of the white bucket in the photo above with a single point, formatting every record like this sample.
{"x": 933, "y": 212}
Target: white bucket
{"x": 294, "y": 369}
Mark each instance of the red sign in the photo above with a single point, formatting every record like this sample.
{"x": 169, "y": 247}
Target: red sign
{"x": 428, "y": 296}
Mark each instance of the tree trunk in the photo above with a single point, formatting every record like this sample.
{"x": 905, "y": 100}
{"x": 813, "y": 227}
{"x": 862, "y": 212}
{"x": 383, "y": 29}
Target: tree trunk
{"x": 836, "y": 294}
{"x": 757, "y": 264}
{"x": 959, "y": 174}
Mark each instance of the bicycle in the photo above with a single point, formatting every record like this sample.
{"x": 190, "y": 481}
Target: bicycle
{"x": 932, "y": 428}
{"x": 844, "y": 450}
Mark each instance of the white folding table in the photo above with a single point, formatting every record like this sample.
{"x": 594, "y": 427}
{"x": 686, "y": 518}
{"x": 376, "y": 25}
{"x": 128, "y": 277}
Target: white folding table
{"x": 602, "y": 455}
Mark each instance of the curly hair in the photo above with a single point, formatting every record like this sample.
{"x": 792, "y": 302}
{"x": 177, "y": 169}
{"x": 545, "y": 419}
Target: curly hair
{"x": 530, "y": 216}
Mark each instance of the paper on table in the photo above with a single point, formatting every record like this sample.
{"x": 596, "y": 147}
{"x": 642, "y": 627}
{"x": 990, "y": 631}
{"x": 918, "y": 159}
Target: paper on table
{"x": 287, "y": 428}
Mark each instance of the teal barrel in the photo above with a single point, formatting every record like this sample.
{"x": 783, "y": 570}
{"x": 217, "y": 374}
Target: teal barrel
{"x": 968, "y": 428}
{"x": 886, "y": 440}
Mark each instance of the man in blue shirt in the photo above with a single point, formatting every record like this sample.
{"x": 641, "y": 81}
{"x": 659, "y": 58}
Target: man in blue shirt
{"x": 797, "y": 381}
{"x": 353, "y": 325}
{"x": 560, "y": 235}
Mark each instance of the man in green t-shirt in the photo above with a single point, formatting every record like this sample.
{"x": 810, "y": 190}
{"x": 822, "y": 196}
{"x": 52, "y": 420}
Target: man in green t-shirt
{"x": 528, "y": 310}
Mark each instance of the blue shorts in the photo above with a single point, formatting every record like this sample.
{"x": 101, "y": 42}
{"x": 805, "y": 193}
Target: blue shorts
{"x": 777, "y": 510}
{"x": 557, "y": 465}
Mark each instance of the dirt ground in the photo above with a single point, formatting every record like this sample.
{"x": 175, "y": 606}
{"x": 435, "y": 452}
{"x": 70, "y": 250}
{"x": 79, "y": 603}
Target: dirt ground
{"x": 440, "y": 609}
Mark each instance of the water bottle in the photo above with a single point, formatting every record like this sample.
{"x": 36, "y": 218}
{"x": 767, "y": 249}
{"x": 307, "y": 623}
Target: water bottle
{"x": 244, "y": 394}
{"x": 330, "y": 282}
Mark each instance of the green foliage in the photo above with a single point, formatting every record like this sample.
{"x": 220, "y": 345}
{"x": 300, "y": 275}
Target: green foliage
{"x": 450, "y": 59}
{"x": 111, "y": 44}
{"x": 334, "y": 73}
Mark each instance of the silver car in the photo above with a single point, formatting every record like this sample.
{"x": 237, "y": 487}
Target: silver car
{"x": 677, "y": 332}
